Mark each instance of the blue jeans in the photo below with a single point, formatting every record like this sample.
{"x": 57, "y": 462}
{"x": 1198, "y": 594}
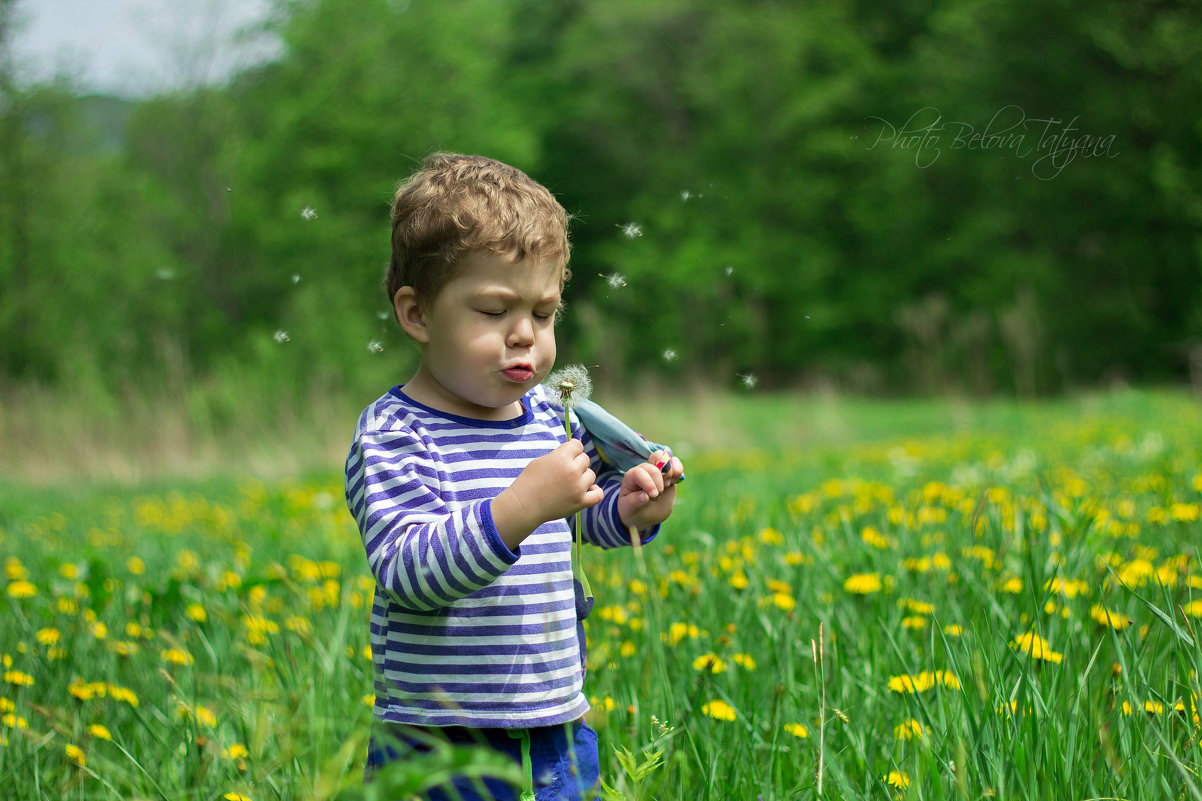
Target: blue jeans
{"x": 550, "y": 753}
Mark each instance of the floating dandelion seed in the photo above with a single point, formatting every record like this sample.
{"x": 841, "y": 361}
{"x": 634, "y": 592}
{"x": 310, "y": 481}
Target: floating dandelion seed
{"x": 749, "y": 381}
{"x": 670, "y": 355}
{"x": 615, "y": 280}
{"x": 729, "y": 271}
{"x": 383, "y": 315}
{"x": 374, "y": 346}
{"x": 280, "y": 337}
{"x": 685, "y": 195}
{"x": 631, "y": 230}
{"x": 164, "y": 274}
{"x": 308, "y": 214}
{"x": 296, "y": 278}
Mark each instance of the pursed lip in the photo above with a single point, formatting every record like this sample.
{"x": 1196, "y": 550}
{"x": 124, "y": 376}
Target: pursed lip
{"x": 518, "y": 373}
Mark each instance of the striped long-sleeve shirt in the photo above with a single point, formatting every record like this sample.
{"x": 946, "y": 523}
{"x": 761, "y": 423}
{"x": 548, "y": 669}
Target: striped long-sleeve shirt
{"x": 465, "y": 632}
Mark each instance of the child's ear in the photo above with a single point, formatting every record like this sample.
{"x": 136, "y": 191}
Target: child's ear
{"x": 409, "y": 314}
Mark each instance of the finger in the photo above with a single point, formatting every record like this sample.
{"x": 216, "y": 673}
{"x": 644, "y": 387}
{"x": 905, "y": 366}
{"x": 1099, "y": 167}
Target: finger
{"x": 644, "y": 477}
{"x": 594, "y": 496}
{"x": 675, "y": 469}
{"x": 572, "y": 447}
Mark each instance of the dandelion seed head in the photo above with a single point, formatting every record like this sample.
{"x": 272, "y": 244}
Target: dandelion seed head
{"x": 570, "y": 384}
{"x": 615, "y": 280}
{"x": 308, "y": 214}
{"x": 374, "y": 346}
{"x": 280, "y": 337}
{"x": 631, "y": 230}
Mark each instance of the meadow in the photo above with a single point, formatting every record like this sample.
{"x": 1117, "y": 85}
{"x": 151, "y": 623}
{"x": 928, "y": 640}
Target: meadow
{"x": 853, "y": 599}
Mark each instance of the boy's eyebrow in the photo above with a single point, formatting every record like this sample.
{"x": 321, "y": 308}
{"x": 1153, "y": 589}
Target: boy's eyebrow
{"x": 505, "y": 293}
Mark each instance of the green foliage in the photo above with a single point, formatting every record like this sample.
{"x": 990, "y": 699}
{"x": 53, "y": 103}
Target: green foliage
{"x": 789, "y": 228}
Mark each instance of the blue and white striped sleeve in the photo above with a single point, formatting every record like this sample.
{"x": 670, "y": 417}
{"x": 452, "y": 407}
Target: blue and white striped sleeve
{"x": 423, "y": 554}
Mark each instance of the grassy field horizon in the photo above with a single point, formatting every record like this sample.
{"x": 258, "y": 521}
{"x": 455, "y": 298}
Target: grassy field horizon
{"x": 47, "y": 438}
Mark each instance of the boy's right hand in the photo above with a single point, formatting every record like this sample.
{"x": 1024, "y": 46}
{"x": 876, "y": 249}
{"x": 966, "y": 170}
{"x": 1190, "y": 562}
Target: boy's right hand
{"x": 550, "y": 487}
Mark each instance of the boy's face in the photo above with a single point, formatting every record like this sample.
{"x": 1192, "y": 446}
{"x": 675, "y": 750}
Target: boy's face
{"x": 487, "y": 338}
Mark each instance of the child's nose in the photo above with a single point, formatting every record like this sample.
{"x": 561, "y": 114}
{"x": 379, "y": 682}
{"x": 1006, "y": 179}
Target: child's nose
{"x": 522, "y": 333}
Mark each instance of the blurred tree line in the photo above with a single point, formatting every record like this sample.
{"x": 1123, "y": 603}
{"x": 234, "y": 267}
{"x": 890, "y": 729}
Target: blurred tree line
{"x": 919, "y": 197}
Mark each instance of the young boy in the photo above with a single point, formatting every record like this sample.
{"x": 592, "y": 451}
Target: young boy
{"x": 462, "y": 482}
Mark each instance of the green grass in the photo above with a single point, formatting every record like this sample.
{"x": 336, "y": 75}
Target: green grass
{"x": 982, "y": 523}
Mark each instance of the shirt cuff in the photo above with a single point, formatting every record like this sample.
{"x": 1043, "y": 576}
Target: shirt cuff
{"x": 493, "y": 537}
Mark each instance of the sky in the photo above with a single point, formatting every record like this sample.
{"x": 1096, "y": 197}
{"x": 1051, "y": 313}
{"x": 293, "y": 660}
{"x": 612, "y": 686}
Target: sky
{"x": 135, "y": 48}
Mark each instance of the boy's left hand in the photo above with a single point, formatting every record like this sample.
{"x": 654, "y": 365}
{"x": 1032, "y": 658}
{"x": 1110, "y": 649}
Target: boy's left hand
{"x": 648, "y": 494}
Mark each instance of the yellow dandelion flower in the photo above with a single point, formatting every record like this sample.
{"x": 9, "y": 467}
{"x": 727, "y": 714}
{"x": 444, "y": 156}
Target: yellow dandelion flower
{"x": 236, "y": 797}
{"x": 122, "y": 694}
{"x": 1193, "y": 608}
{"x": 21, "y": 589}
{"x": 784, "y": 601}
{"x": 903, "y": 684}
{"x": 99, "y": 732}
{"x": 738, "y": 581}
{"x": 206, "y": 717}
{"x": 1109, "y": 618}
{"x": 948, "y": 679}
{"x": 797, "y": 730}
{"x": 718, "y": 710}
{"x": 235, "y": 751}
{"x": 863, "y": 583}
{"x": 1013, "y": 586}
{"x": 124, "y": 647}
{"x": 744, "y": 661}
{"x": 1036, "y": 647}
{"x": 18, "y": 678}
{"x": 914, "y": 622}
{"x": 13, "y": 721}
{"x": 953, "y": 630}
{"x": 69, "y": 571}
{"x": 299, "y": 625}
{"x": 135, "y": 565}
{"x": 709, "y": 662}
{"x": 678, "y": 631}
{"x": 899, "y": 780}
{"x": 176, "y": 656}
{"x": 14, "y": 570}
{"x": 196, "y": 613}
{"x": 75, "y": 754}
{"x": 770, "y": 536}
{"x": 909, "y": 730}
{"x": 48, "y": 636}
{"x": 369, "y": 700}
{"x": 1185, "y": 512}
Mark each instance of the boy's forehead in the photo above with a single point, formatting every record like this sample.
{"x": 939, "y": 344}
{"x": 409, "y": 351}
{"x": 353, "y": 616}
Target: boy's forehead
{"x": 499, "y": 272}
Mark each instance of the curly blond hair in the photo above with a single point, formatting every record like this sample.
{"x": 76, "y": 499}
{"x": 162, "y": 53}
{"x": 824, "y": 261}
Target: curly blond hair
{"x": 456, "y": 204}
